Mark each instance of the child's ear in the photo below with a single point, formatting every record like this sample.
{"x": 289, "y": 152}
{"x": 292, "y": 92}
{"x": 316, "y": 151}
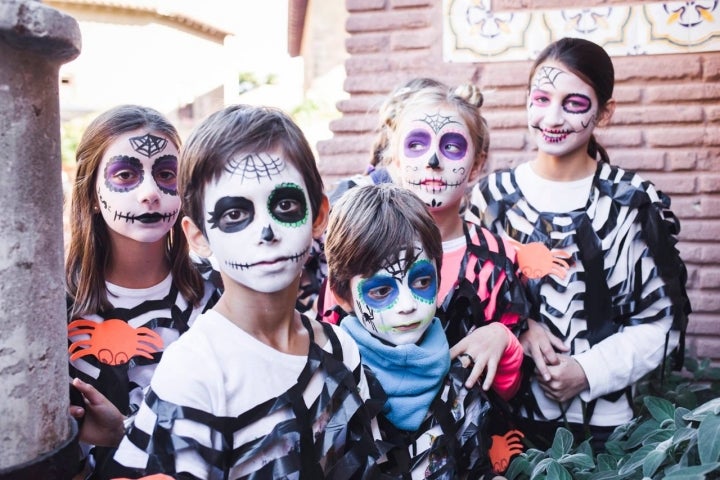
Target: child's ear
{"x": 197, "y": 241}
{"x": 321, "y": 220}
{"x": 606, "y": 113}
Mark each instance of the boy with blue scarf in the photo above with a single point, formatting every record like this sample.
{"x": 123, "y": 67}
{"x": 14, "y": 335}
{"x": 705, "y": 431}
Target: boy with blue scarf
{"x": 384, "y": 253}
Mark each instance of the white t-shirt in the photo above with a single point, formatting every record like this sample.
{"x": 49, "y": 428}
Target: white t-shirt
{"x": 218, "y": 368}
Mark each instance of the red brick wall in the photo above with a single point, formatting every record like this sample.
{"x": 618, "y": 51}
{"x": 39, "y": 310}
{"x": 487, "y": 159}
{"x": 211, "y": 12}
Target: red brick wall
{"x": 666, "y": 125}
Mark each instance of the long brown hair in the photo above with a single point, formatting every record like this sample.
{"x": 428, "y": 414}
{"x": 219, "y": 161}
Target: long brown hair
{"x": 88, "y": 255}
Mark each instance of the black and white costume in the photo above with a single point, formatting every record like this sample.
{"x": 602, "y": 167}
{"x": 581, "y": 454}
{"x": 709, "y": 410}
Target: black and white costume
{"x": 223, "y": 405}
{"x": 118, "y": 350}
{"x": 622, "y": 304}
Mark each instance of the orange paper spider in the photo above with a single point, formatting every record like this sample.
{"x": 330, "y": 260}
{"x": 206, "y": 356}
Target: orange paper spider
{"x": 536, "y": 260}
{"x": 504, "y": 448}
{"x": 112, "y": 342}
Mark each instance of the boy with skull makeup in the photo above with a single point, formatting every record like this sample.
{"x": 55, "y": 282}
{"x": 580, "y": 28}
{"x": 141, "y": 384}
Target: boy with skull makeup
{"x": 254, "y": 388}
{"x": 387, "y": 278}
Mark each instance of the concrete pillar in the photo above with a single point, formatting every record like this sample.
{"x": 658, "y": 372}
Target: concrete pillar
{"x": 37, "y": 436}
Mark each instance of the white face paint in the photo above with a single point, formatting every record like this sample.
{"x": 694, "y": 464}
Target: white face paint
{"x": 562, "y": 110}
{"x": 136, "y": 186}
{"x": 397, "y": 303}
{"x": 435, "y": 155}
{"x": 259, "y": 221}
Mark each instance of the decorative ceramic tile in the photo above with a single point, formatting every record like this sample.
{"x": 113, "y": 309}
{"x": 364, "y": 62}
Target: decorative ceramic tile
{"x": 473, "y": 31}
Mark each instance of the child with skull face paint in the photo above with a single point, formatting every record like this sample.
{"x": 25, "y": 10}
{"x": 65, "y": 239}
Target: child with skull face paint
{"x": 597, "y": 249}
{"x": 387, "y": 278}
{"x": 132, "y": 289}
{"x": 434, "y": 142}
{"x": 254, "y": 389}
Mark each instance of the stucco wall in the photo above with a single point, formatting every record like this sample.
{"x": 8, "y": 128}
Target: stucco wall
{"x": 666, "y": 125}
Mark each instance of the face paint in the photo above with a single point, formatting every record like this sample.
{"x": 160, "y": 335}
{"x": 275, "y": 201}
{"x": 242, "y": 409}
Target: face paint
{"x": 259, "y": 221}
{"x": 136, "y": 186}
{"x": 397, "y": 303}
{"x": 434, "y": 155}
{"x": 562, "y": 110}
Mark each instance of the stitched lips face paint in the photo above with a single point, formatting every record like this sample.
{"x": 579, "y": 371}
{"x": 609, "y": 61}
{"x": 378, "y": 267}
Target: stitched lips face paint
{"x": 258, "y": 222}
{"x": 397, "y": 303}
{"x": 434, "y": 154}
{"x": 136, "y": 186}
{"x": 562, "y": 110}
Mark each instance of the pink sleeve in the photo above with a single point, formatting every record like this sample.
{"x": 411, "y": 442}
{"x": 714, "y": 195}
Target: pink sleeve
{"x": 508, "y": 376}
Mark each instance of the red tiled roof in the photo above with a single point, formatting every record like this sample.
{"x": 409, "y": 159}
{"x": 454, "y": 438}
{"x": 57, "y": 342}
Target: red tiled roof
{"x": 120, "y": 7}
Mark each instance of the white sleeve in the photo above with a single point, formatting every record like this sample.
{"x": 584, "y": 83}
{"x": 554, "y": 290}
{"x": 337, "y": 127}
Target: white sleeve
{"x": 624, "y": 357}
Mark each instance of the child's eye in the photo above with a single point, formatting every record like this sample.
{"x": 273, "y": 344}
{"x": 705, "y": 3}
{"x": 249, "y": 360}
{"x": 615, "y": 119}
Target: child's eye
{"x": 422, "y": 283}
{"x": 233, "y": 217}
{"x": 417, "y": 142}
{"x": 577, "y": 103}
{"x": 123, "y": 173}
{"x": 287, "y": 204}
{"x": 164, "y": 172}
{"x": 287, "y": 207}
{"x": 454, "y": 145}
{"x": 125, "y": 176}
{"x": 231, "y": 214}
{"x": 380, "y": 293}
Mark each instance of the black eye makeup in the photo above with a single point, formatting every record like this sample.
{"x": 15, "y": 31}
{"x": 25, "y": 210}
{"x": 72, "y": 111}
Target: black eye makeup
{"x": 287, "y": 205}
{"x": 232, "y": 214}
{"x": 164, "y": 171}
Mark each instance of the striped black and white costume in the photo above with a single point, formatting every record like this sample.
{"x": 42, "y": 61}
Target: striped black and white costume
{"x": 223, "y": 405}
{"x": 622, "y": 305}
{"x": 120, "y": 362}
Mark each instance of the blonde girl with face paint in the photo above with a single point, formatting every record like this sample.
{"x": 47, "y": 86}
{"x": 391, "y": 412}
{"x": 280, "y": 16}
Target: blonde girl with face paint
{"x": 254, "y": 388}
{"x": 387, "y": 279}
{"x": 435, "y": 145}
{"x": 433, "y": 141}
{"x": 596, "y": 247}
{"x": 132, "y": 289}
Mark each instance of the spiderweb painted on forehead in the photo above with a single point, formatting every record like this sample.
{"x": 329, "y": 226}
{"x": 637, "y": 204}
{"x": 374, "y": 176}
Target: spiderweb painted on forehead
{"x": 398, "y": 266}
{"x": 255, "y": 167}
{"x": 546, "y": 76}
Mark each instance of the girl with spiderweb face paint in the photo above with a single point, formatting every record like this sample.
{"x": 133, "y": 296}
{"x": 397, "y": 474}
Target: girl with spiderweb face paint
{"x": 562, "y": 110}
{"x": 136, "y": 186}
{"x": 270, "y": 218}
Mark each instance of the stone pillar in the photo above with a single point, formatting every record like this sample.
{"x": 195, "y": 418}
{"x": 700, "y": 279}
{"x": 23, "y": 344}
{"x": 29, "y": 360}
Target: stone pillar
{"x": 38, "y": 439}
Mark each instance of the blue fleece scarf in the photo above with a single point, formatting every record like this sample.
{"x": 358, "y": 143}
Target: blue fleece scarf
{"x": 411, "y": 375}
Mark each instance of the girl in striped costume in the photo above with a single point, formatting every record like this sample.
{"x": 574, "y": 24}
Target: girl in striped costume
{"x": 596, "y": 247}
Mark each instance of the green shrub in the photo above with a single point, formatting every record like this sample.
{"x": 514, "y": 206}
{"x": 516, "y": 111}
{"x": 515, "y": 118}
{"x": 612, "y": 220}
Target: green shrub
{"x": 676, "y": 435}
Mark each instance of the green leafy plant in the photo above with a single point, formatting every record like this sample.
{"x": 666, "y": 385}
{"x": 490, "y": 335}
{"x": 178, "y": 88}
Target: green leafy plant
{"x": 675, "y": 436}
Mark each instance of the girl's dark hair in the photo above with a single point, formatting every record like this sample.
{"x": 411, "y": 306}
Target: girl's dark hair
{"x": 592, "y": 64}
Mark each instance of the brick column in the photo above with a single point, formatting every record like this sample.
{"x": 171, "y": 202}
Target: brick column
{"x": 37, "y": 436}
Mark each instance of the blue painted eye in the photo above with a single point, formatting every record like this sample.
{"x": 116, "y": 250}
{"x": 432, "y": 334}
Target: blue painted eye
{"x": 379, "y": 291}
{"x": 422, "y": 279}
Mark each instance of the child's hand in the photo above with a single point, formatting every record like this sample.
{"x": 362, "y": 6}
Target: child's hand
{"x": 542, "y": 345}
{"x": 485, "y": 346}
{"x": 567, "y": 379}
{"x": 102, "y": 421}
